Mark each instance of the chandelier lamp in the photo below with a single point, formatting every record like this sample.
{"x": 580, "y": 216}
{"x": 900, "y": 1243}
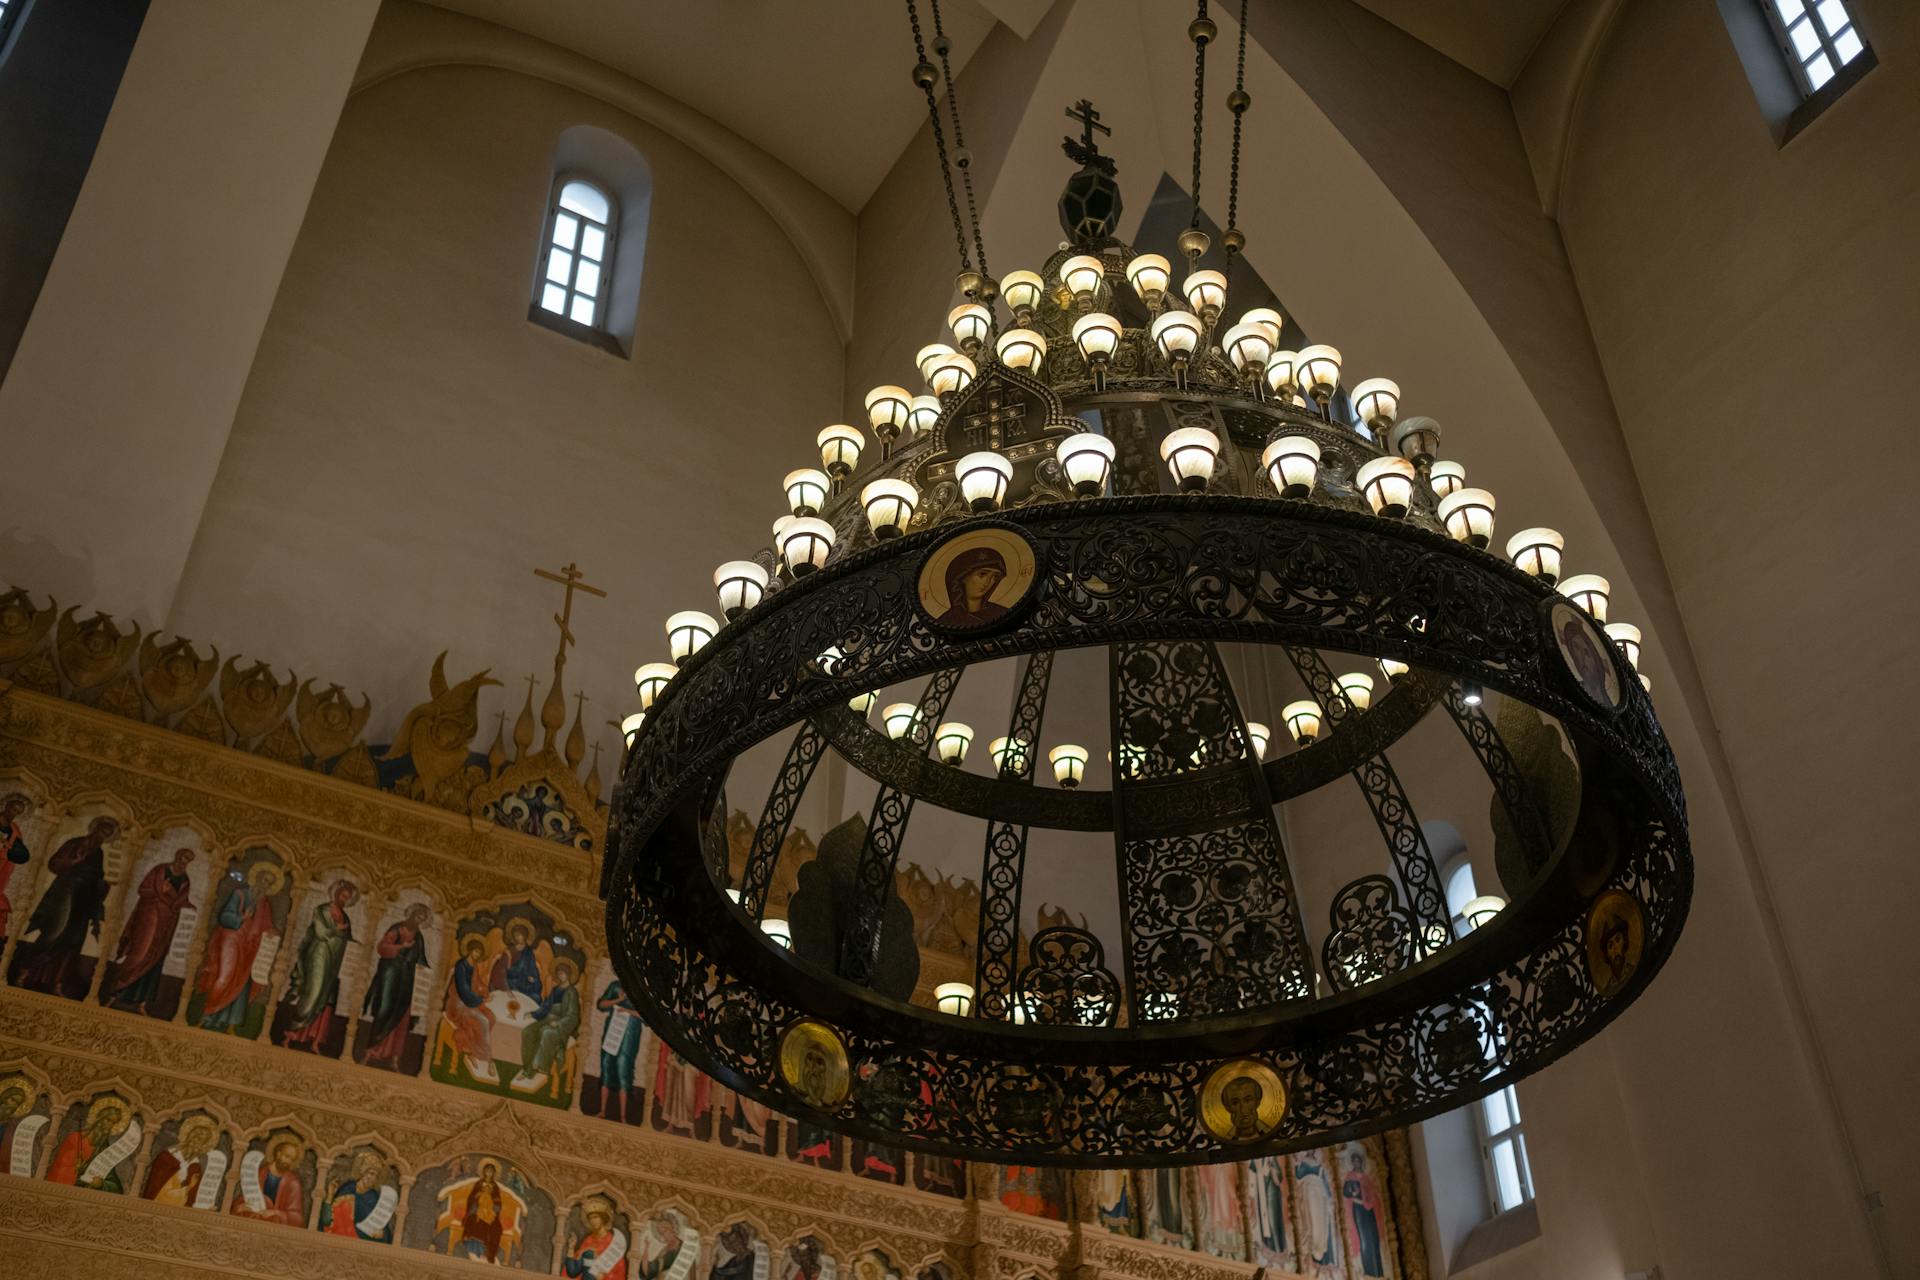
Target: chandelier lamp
{"x": 1109, "y": 458}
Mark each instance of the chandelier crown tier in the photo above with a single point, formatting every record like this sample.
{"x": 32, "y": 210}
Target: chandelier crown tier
{"x": 1108, "y": 462}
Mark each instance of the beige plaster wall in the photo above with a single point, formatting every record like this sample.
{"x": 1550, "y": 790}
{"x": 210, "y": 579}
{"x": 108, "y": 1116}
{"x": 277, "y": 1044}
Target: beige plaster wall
{"x": 1755, "y": 308}
{"x": 410, "y": 446}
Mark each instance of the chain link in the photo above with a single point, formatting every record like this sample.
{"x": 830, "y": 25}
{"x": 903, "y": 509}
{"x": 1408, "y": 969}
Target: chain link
{"x": 939, "y": 140}
{"x": 1236, "y": 101}
{"x": 1199, "y": 109}
{"x": 940, "y": 47}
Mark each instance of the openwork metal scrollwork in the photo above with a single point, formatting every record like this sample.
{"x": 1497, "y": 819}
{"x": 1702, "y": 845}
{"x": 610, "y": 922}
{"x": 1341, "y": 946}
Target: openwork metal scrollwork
{"x": 1067, "y": 982}
{"x": 1372, "y": 935}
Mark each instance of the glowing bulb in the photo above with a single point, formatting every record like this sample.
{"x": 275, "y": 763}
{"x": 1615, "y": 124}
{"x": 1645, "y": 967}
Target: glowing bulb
{"x": 1009, "y": 755}
{"x": 970, "y": 322}
{"x": 806, "y": 490}
{"x": 1247, "y": 347}
{"x": 1377, "y": 400}
{"x": 688, "y": 632}
{"x": 887, "y": 411}
{"x": 1392, "y": 668}
{"x": 1590, "y": 592}
{"x": 1302, "y": 720}
{"x": 1446, "y": 478}
{"x": 1190, "y": 453}
{"x": 1292, "y": 463}
{"x": 650, "y": 679}
{"x": 740, "y": 585}
{"x": 952, "y": 739}
{"x": 951, "y": 375}
{"x": 954, "y": 998}
{"x": 840, "y": 447}
{"x": 1627, "y": 637}
{"x": 1022, "y": 290}
{"x": 805, "y": 544}
{"x": 1267, "y": 318}
{"x": 983, "y": 477}
{"x": 1280, "y": 369}
{"x": 1258, "y": 734}
{"x": 1083, "y": 275}
{"x": 1357, "y": 688}
{"x": 1536, "y": 552}
{"x": 1149, "y": 274}
{"x": 863, "y": 702}
{"x": 1318, "y": 371}
{"x": 1482, "y": 909}
{"x": 1086, "y": 458}
{"x": 1206, "y": 293}
{"x": 630, "y": 727}
{"x": 1021, "y": 349}
{"x": 1468, "y": 516}
{"x": 889, "y": 505}
{"x": 1097, "y": 334}
{"x": 1069, "y": 763}
{"x": 899, "y": 718}
{"x": 1176, "y": 334}
{"x": 923, "y": 412}
{"x": 1388, "y": 484}
{"x": 778, "y": 931}
{"x": 930, "y": 355}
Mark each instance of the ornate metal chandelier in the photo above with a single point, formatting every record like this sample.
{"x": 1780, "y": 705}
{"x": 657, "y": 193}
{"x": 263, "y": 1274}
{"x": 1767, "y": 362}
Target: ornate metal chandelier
{"x": 1111, "y": 464}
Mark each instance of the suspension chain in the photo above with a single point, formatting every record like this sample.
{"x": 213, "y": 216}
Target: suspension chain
{"x": 962, "y": 158}
{"x": 1201, "y": 33}
{"x": 1237, "y": 102}
{"x": 924, "y": 75}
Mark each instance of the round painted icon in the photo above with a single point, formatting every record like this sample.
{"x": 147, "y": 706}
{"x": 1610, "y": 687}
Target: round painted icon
{"x": 1242, "y": 1101}
{"x": 1587, "y": 654}
{"x": 1616, "y": 939}
{"x": 977, "y": 579}
{"x": 813, "y": 1063}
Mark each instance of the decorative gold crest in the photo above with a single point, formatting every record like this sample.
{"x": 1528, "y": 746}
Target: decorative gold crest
{"x": 91, "y": 651}
{"x": 813, "y": 1063}
{"x": 173, "y": 675}
{"x": 1616, "y": 939}
{"x": 436, "y": 733}
{"x": 1242, "y": 1101}
{"x": 22, "y": 627}
{"x": 252, "y": 700}
{"x": 329, "y": 722}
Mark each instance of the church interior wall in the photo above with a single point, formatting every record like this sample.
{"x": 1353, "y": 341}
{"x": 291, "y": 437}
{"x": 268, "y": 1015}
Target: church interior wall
{"x": 402, "y": 409}
{"x": 1779, "y": 277}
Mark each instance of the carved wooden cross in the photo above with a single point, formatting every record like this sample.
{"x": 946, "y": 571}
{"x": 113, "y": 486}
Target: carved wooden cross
{"x": 571, "y": 578}
{"x": 998, "y": 424}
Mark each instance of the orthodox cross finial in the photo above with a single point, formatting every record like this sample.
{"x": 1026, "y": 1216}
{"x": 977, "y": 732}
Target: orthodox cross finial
{"x": 553, "y": 712}
{"x": 1084, "y": 150}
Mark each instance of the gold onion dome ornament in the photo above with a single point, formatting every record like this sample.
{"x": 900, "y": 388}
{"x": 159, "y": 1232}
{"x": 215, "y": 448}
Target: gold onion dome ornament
{"x": 1250, "y": 500}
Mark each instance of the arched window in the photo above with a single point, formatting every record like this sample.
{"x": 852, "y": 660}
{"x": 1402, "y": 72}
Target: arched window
{"x": 578, "y": 266}
{"x": 586, "y": 281}
{"x": 11, "y": 12}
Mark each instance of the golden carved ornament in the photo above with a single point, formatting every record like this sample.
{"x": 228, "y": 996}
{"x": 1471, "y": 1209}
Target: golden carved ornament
{"x": 172, "y": 675}
{"x": 436, "y": 735}
{"x": 92, "y": 651}
{"x": 329, "y": 722}
{"x": 253, "y": 701}
{"x": 23, "y": 628}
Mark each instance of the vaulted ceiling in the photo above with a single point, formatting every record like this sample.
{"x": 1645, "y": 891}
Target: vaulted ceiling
{"x": 1493, "y": 38}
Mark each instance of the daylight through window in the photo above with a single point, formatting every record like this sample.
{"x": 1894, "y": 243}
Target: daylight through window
{"x": 574, "y": 278}
{"x": 1819, "y": 37}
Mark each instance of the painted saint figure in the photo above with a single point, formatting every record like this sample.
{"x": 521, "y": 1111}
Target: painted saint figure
{"x": 733, "y": 1254}
{"x": 1268, "y": 1192}
{"x": 134, "y": 977}
{"x": 619, "y": 1047}
{"x": 804, "y": 1260}
{"x": 600, "y": 1251}
{"x": 91, "y": 1155}
{"x": 387, "y": 1011}
{"x": 361, "y": 1206}
{"x": 70, "y": 910}
{"x": 176, "y": 1174}
{"x": 518, "y": 967}
{"x": 1364, "y": 1212}
{"x": 659, "y": 1248}
{"x": 13, "y": 850}
{"x": 544, "y": 1041}
{"x": 313, "y": 989}
{"x": 270, "y": 1186}
{"x": 19, "y": 1127}
{"x": 483, "y": 1224}
{"x": 469, "y": 1020}
{"x": 1313, "y": 1187}
{"x": 243, "y": 921}
{"x": 971, "y": 580}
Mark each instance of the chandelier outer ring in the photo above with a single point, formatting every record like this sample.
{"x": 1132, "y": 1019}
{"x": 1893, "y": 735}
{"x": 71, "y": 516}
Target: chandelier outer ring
{"x": 703, "y": 980}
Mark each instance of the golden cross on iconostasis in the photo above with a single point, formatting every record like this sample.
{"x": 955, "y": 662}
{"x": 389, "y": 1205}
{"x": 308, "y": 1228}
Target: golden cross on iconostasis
{"x": 553, "y": 711}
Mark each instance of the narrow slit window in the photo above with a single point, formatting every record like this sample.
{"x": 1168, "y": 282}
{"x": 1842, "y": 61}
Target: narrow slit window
{"x": 575, "y": 269}
{"x": 1819, "y": 37}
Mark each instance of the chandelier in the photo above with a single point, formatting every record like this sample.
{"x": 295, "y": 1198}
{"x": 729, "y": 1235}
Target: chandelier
{"x": 1102, "y": 459}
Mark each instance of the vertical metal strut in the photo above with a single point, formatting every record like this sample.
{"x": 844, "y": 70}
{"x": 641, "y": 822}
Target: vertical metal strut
{"x": 1392, "y": 810}
{"x": 1003, "y": 866}
{"x": 776, "y": 820}
{"x": 1509, "y": 784}
{"x": 1211, "y": 918}
{"x": 873, "y": 879}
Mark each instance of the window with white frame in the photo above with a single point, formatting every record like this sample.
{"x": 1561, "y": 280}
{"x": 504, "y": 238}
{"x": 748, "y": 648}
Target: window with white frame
{"x": 1503, "y": 1148}
{"x": 577, "y": 264}
{"x": 1503, "y": 1143}
{"x": 1819, "y": 37}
